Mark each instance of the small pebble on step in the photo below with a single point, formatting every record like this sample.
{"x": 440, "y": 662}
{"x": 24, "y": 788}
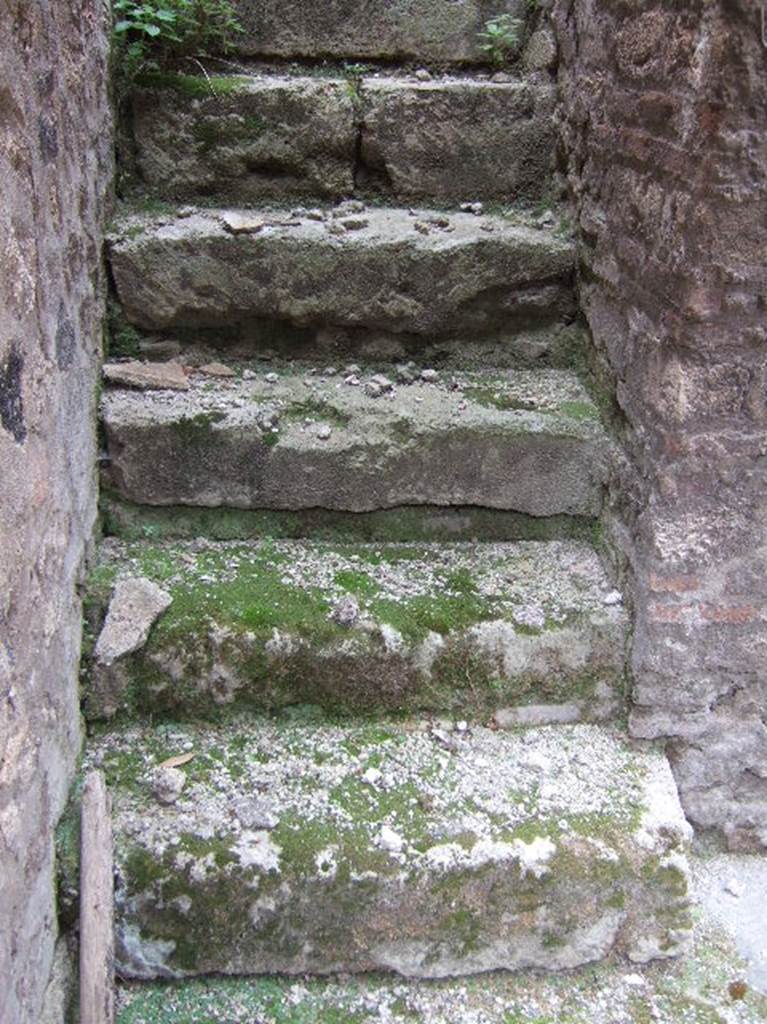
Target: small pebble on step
{"x": 167, "y": 784}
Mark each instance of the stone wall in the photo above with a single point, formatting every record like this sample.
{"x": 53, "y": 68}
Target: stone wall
{"x": 55, "y": 163}
{"x": 664, "y": 121}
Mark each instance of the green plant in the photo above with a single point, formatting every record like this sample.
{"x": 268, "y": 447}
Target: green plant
{"x": 501, "y": 37}
{"x": 153, "y": 34}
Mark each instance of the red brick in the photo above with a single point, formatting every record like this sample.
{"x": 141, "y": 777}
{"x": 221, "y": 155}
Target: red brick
{"x": 737, "y": 615}
{"x": 673, "y": 584}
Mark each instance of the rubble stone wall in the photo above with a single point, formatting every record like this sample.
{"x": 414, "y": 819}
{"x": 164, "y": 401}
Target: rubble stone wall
{"x": 663, "y": 121}
{"x": 55, "y": 166}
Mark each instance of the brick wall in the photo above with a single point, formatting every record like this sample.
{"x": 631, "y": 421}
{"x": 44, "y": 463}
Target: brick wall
{"x": 664, "y": 118}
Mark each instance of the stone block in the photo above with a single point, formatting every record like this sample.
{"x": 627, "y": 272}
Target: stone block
{"x": 389, "y": 269}
{"x": 526, "y": 441}
{"x": 305, "y": 848}
{"x": 405, "y": 30}
{"x": 249, "y": 138}
{"x": 459, "y": 139}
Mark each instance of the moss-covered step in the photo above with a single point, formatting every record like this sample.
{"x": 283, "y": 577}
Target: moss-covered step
{"x": 530, "y": 631}
{"x": 523, "y": 441}
{"x": 415, "y": 524}
{"x": 421, "y": 30}
{"x": 250, "y": 137}
{"x": 694, "y": 989}
{"x": 398, "y": 270}
{"x": 296, "y": 848}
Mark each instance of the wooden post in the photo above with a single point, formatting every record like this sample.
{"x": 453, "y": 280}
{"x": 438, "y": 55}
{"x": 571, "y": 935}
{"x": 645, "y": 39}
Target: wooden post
{"x": 96, "y": 904}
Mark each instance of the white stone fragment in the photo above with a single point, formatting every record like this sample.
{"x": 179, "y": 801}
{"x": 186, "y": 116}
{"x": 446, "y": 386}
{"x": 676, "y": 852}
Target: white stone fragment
{"x": 734, "y": 887}
{"x": 634, "y": 980}
{"x": 372, "y": 776}
{"x": 393, "y": 640}
{"x": 390, "y": 841}
{"x": 257, "y": 849}
{"x": 534, "y": 856}
{"x": 538, "y": 761}
{"x": 136, "y": 605}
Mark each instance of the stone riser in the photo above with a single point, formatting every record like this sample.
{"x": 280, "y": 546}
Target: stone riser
{"x": 413, "y": 524}
{"x": 422, "y": 30}
{"x": 558, "y": 345}
{"x": 530, "y": 632}
{"x": 247, "y": 139}
{"x": 312, "y": 849}
{"x": 388, "y": 269}
{"x": 517, "y": 441}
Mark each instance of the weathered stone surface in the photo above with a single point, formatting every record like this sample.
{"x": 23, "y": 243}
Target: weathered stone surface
{"x": 458, "y": 139}
{"x": 464, "y": 629}
{"x": 55, "y": 168}
{"x": 394, "y": 850}
{"x": 147, "y": 375}
{"x": 257, "y": 137}
{"x": 426, "y": 30}
{"x": 662, "y": 118}
{"x": 605, "y": 994}
{"x": 96, "y": 995}
{"x": 541, "y": 50}
{"x": 526, "y": 441}
{"x": 475, "y": 274}
{"x": 279, "y": 135}
{"x": 135, "y": 606}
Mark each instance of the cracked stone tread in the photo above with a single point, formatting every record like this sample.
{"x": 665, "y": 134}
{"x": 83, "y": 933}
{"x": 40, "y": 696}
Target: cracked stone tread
{"x": 528, "y": 631}
{"x": 375, "y": 269}
{"x": 308, "y": 848}
{"x": 525, "y": 441}
{"x": 251, "y": 137}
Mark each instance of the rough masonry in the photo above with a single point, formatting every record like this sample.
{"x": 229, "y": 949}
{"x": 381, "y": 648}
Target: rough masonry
{"x": 664, "y": 123}
{"x": 55, "y": 161}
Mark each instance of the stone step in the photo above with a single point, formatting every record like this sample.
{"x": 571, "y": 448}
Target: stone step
{"x": 396, "y": 270}
{"x": 249, "y": 138}
{"x": 298, "y": 848}
{"x": 525, "y": 633}
{"x": 525, "y": 441}
{"x": 421, "y": 30}
{"x": 695, "y": 987}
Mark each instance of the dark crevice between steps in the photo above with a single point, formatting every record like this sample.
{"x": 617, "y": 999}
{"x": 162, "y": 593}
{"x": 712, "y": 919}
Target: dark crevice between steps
{"x": 358, "y": 66}
{"x": 524, "y": 340}
{"x": 407, "y": 523}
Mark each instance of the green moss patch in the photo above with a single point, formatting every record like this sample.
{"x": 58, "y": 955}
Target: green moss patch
{"x": 135, "y": 522}
{"x": 195, "y": 86}
{"x": 263, "y": 625}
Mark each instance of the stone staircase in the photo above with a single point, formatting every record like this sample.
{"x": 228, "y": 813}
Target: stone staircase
{"x": 356, "y": 667}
